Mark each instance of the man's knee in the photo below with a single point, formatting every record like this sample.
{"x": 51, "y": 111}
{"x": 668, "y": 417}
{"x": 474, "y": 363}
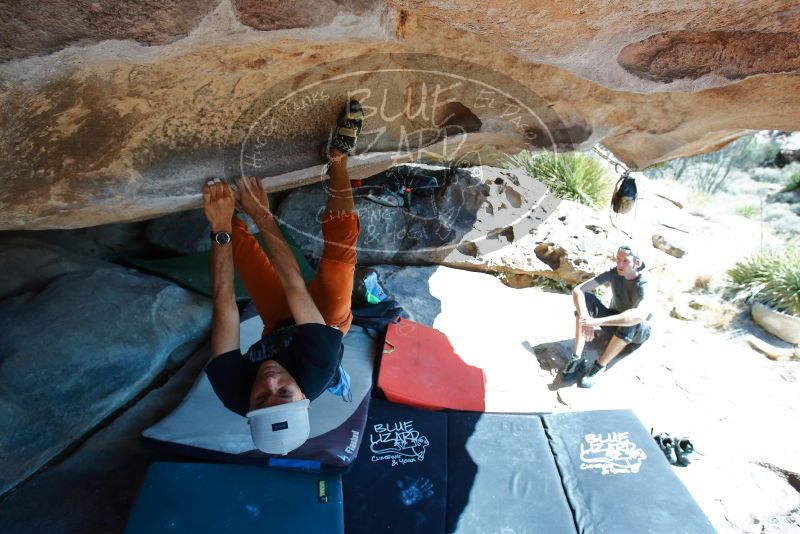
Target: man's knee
{"x": 623, "y": 337}
{"x": 341, "y": 227}
{"x": 636, "y": 334}
{"x": 340, "y": 231}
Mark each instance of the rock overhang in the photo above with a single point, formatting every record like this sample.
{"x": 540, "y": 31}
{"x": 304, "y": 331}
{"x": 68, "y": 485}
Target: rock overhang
{"x": 129, "y": 129}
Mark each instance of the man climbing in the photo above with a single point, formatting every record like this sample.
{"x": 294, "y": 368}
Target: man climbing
{"x": 300, "y": 352}
{"x": 626, "y": 319}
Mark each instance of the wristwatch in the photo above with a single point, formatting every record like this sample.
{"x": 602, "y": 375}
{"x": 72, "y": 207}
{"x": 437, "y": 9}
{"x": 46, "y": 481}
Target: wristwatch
{"x": 220, "y": 238}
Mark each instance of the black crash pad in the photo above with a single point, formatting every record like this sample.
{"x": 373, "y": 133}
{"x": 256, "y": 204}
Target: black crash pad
{"x": 502, "y": 476}
{"x": 616, "y": 478}
{"x": 398, "y": 482}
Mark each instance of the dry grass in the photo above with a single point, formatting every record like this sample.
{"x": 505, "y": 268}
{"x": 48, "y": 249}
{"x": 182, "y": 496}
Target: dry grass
{"x": 702, "y": 283}
{"x": 719, "y": 318}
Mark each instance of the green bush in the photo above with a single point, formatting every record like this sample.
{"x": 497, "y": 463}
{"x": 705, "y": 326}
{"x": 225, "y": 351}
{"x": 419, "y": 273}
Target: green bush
{"x": 749, "y": 212}
{"x": 768, "y": 175}
{"x": 771, "y": 277}
{"x": 575, "y": 177}
{"x": 793, "y": 183}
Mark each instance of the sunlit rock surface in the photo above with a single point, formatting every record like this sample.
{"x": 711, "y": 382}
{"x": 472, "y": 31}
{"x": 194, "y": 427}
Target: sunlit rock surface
{"x": 119, "y": 112}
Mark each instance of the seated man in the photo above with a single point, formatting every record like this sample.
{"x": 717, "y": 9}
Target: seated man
{"x": 626, "y": 319}
{"x": 300, "y": 352}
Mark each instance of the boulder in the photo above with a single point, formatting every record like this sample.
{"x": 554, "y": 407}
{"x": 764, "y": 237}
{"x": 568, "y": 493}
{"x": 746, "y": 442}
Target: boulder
{"x": 770, "y": 351}
{"x": 660, "y": 242}
{"x": 27, "y": 264}
{"x": 185, "y": 232}
{"x": 78, "y": 350}
{"x": 94, "y": 488}
{"x": 33, "y": 31}
{"x": 113, "y": 118}
{"x": 484, "y": 218}
{"x": 424, "y": 233}
{"x": 783, "y": 325}
{"x": 106, "y": 242}
{"x": 410, "y": 287}
{"x": 492, "y": 220}
{"x": 786, "y": 197}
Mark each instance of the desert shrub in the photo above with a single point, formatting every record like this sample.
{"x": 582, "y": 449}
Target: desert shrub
{"x": 702, "y": 283}
{"x": 768, "y": 175}
{"x": 771, "y": 277}
{"x": 760, "y": 152}
{"x": 793, "y": 183}
{"x": 749, "y": 211}
{"x": 551, "y": 284}
{"x": 707, "y": 173}
{"x": 575, "y": 177}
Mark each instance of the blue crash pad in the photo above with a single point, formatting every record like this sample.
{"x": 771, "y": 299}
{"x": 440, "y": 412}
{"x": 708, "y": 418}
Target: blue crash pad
{"x": 398, "y": 482}
{"x": 217, "y": 498}
{"x": 502, "y": 476}
{"x": 616, "y": 478}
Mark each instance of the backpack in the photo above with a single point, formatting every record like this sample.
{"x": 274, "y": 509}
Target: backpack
{"x": 624, "y": 197}
{"x": 372, "y": 307}
{"x": 377, "y": 316}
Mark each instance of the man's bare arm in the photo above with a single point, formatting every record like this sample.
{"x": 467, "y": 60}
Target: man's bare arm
{"x": 300, "y": 302}
{"x": 218, "y": 205}
{"x": 630, "y": 317}
{"x": 225, "y": 323}
{"x": 253, "y": 201}
{"x": 579, "y": 296}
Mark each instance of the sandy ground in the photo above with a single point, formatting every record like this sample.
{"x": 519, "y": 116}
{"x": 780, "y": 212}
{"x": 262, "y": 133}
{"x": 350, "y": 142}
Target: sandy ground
{"x": 739, "y": 408}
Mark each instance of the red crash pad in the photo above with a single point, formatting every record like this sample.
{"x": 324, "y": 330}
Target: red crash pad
{"x": 420, "y": 368}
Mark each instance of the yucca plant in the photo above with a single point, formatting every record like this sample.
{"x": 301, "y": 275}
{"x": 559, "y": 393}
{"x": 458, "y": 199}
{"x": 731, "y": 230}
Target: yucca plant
{"x": 575, "y": 177}
{"x": 771, "y": 277}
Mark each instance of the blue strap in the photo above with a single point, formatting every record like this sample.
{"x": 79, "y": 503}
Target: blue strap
{"x": 342, "y": 387}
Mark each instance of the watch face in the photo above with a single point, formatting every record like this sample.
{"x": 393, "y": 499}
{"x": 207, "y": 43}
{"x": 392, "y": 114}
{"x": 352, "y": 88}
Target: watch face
{"x": 222, "y": 238}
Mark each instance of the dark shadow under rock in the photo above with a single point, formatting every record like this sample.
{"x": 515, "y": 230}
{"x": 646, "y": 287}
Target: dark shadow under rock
{"x": 79, "y": 349}
{"x": 424, "y": 233}
{"x": 186, "y": 232}
{"x": 93, "y": 490}
{"x": 410, "y": 287}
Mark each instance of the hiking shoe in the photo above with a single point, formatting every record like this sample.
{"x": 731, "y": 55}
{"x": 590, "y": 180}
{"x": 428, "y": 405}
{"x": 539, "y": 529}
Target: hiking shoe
{"x": 572, "y": 368}
{"x": 684, "y": 451}
{"x": 590, "y": 379}
{"x": 348, "y": 127}
{"x": 667, "y": 445}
